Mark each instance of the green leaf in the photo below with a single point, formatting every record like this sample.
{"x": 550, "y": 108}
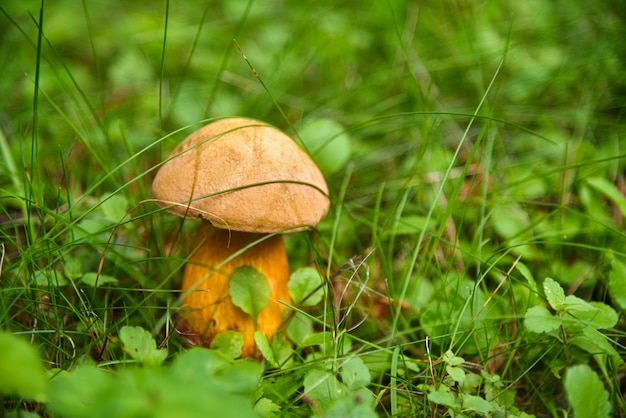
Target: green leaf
{"x": 114, "y": 207}
{"x": 199, "y": 383}
{"x": 50, "y": 278}
{"x": 456, "y": 373}
{"x": 575, "y": 304}
{"x": 476, "y": 403}
{"x": 355, "y": 374}
{"x": 554, "y": 293}
{"x": 93, "y": 279}
{"x": 356, "y": 405}
{"x": 594, "y": 342}
{"x": 450, "y": 358}
{"x": 264, "y": 346}
{"x": 539, "y": 319}
{"x": 21, "y": 369}
{"x": 75, "y": 394}
{"x": 141, "y": 346}
{"x": 281, "y": 386}
{"x": 199, "y": 363}
{"x": 72, "y": 268}
{"x": 266, "y": 408}
{"x": 299, "y": 327}
{"x": 586, "y": 394}
{"x": 90, "y": 229}
{"x": 617, "y": 284}
{"x": 203, "y": 367}
{"x": 527, "y": 274}
{"x": 228, "y": 342}
{"x": 323, "y": 387}
{"x": 305, "y": 286}
{"x": 599, "y": 316}
{"x": 444, "y": 397}
{"x": 318, "y": 338}
{"x": 249, "y": 290}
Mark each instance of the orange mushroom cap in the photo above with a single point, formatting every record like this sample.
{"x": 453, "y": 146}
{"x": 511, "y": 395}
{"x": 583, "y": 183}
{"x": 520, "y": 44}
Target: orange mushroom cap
{"x": 245, "y": 175}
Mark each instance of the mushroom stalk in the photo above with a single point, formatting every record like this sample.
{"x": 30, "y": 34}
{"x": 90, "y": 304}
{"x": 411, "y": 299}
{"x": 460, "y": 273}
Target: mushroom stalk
{"x": 207, "y": 308}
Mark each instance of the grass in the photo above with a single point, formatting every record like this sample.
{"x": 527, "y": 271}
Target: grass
{"x": 473, "y": 258}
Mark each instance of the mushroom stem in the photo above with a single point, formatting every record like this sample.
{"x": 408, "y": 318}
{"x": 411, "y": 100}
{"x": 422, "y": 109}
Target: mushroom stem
{"x": 207, "y": 306}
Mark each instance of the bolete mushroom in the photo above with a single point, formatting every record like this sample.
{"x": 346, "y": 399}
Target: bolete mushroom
{"x": 250, "y": 183}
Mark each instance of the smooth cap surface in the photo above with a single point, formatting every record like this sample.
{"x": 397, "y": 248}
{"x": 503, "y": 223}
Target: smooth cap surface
{"x": 244, "y": 175}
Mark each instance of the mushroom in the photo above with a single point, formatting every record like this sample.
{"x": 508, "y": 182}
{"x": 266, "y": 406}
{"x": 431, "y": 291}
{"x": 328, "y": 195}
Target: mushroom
{"x": 250, "y": 183}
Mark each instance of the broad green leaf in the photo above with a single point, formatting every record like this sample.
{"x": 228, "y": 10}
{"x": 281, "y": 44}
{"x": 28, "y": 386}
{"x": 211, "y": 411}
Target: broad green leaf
{"x": 594, "y": 342}
{"x": 265, "y": 347}
{"x": 207, "y": 368}
{"x": 469, "y": 382}
{"x": 50, "y": 278}
{"x": 476, "y": 403}
{"x": 575, "y": 304}
{"x": 93, "y": 279}
{"x": 114, "y": 207}
{"x": 514, "y": 412}
{"x": 527, "y": 274}
{"x": 299, "y": 327}
{"x": 617, "y": 284}
{"x": 539, "y": 319}
{"x": 599, "y": 316}
{"x": 318, "y": 338}
{"x": 75, "y": 394}
{"x": 323, "y": 387}
{"x": 141, "y": 346}
{"x": 199, "y": 383}
{"x": 157, "y": 392}
{"x": 228, "y": 342}
{"x": 305, "y": 286}
{"x": 72, "y": 268}
{"x": 356, "y": 405}
{"x": 450, "y": 358}
{"x": 586, "y": 394}
{"x": 90, "y": 229}
{"x": 354, "y": 373}
{"x": 266, "y": 408}
{"x": 456, "y": 373}
{"x": 281, "y": 385}
{"x": 444, "y": 397}
{"x": 199, "y": 365}
{"x": 554, "y": 293}
{"x": 283, "y": 353}
{"x": 249, "y": 290}
{"x": 240, "y": 377}
{"x": 21, "y": 369}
